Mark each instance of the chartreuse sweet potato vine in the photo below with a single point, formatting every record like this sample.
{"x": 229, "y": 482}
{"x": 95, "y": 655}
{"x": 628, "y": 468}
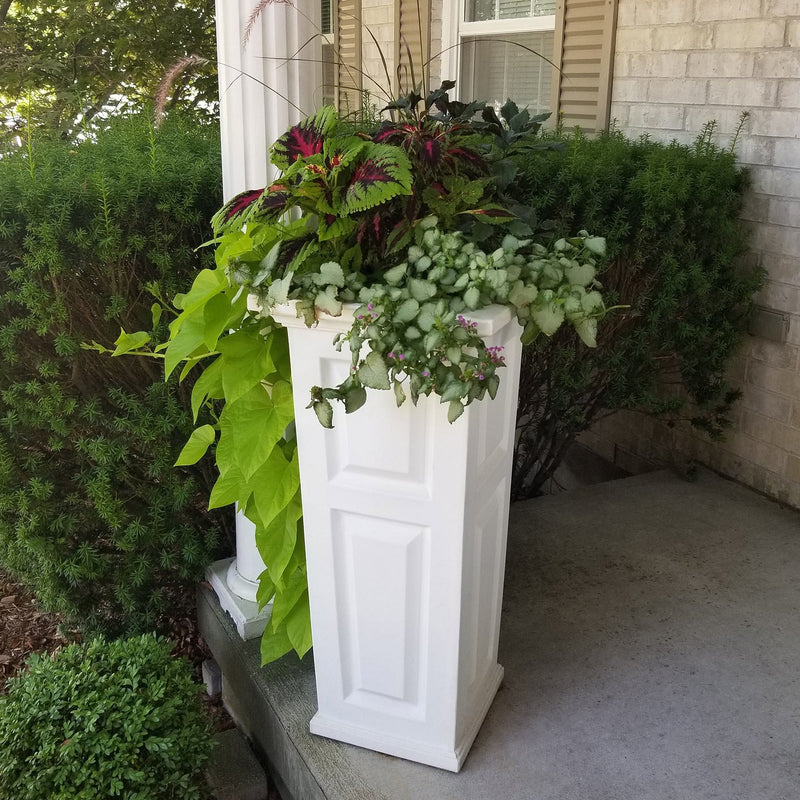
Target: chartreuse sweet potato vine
{"x": 406, "y": 224}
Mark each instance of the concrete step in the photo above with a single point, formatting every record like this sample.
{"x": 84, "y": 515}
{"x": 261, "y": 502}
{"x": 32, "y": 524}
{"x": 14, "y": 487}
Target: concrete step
{"x": 650, "y": 639}
{"x": 234, "y": 773}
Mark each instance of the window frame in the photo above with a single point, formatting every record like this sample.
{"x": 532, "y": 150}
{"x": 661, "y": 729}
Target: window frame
{"x": 455, "y": 29}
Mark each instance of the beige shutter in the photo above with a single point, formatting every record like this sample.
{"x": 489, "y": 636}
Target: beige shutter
{"x": 584, "y": 52}
{"x": 412, "y": 44}
{"x": 347, "y": 46}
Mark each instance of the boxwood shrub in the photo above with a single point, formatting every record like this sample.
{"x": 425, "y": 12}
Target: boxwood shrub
{"x": 104, "y": 719}
{"x": 676, "y": 247}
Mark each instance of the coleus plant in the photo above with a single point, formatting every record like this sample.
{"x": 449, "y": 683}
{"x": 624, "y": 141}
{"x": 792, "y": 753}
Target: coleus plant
{"x": 404, "y": 222}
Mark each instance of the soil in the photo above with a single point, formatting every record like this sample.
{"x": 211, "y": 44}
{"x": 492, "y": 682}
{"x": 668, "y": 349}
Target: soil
{"x": 26, "y": 629}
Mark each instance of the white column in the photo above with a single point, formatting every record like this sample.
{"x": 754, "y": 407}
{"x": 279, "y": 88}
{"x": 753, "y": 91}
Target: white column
{"x": 264, "y": 88}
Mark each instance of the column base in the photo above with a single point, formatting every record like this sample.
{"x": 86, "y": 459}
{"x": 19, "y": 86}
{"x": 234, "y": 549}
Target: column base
{"x": 248, "y": 620}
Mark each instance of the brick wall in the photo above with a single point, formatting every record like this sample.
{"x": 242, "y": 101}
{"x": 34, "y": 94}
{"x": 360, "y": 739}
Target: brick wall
{"x": 680, "y": 63}
{"x": 378, "y": 17}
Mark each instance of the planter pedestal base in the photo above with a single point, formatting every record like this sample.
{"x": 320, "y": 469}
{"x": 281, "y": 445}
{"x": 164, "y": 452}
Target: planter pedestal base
{"x": 405, "y": 520}
{"x": 229, "y": 587}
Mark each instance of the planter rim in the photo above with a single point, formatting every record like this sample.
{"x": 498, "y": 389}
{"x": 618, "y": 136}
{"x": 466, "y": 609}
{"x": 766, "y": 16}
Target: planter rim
{"x": 490, "y": 319}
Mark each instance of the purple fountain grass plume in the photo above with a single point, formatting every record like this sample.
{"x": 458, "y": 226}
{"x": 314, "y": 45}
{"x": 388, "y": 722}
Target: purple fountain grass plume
{"x": 256, "y": 13}
{"x": 168, "y": 81}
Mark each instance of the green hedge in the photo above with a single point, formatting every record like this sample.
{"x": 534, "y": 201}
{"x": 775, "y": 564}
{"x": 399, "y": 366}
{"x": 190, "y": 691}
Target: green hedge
{"x": 675, "y": 243}
{"x": 104, "y": 719}
{"x": 93, "y": 517}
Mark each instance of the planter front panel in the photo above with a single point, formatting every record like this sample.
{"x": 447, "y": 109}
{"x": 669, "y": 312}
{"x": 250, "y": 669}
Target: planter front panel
{"x": 405, "y": 519}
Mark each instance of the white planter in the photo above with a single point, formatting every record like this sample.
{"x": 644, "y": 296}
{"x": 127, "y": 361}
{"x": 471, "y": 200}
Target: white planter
{"x": 405, "y": 522}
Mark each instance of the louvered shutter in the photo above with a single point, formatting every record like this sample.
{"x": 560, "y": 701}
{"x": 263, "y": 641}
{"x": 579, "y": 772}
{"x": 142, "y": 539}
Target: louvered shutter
{"x": 412, "y": 42}
{"x": 347, "y": 48}
{"x": 584, "y": 51}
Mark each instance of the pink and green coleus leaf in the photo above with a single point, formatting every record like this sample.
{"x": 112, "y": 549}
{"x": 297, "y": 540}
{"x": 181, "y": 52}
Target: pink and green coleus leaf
{"x": 234, "y": 213}
{"x": 305, "y": 139}
{"x": 270, "y": 202}
{"x": 382, "y": 173}
{"x": 492, "y": 213}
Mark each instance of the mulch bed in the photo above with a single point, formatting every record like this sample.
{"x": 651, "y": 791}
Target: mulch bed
{"x": 26, "y": 629}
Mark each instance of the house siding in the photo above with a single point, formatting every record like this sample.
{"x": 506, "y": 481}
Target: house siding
{"x": 679, "y": 64}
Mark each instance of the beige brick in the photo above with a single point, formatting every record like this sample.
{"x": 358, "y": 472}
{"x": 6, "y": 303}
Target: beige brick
{"x": 778, "y": 182}
{"x": 634, "y": 40}
{"x": 785, "y": 437}
{"x": 779, "y": 296}
{"x": 756, "y": 427}
{"x": 737, "y": 368}
{"x": 726, "y": 9}
{"x": 787, "y": 152}
{"x": 727, "y": 120}
{"x": 754, "y": 150}
{"x": 750, "y": 33}
{"x": 742, "y": 92}
{"x": 772, "y": 406}
{"x": 626, "y": 14}
{"x": 794, "y": 330}
{"x": 783, "y": 63}
{"x": 724, "y": 64}
{"x": 763, "y": 454}
{"x": 663, "y": 12}
{"x": 771, "y": 431}
{"x": 656, "y": 117}
{"x": 770, "y": 379}
{"x": 597, "y": 444}
{"x": 776, "y": 354}
{"x": 777, "y": 239}
{"x": 682, "y": 37}
{"x": 657, "y": 65}
{"x": 789, "y": 93}
{"x": 732, "y": 465}
{"x": 776, "y": 485}
{"x": 781, "y": 8}
{"x": 770, "y": 483}
{"x": 793, "y": 469}
{"x": 775, "y": 122}
{"x": 794, "y": 419}
{"x": 619, "y": 116}
{"x": 793, "y": 32}
{"x": 756, "y": 207}
{"x": 628, "y": 89}
{"x": 690, "y": 92}
{"x": 376, "y": 14}
{"x": 784, "y": 212}
{"x": 781, "y": 268}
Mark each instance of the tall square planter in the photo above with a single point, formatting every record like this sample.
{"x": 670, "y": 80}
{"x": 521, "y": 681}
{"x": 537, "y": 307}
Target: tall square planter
{"x": 405, "y": 521}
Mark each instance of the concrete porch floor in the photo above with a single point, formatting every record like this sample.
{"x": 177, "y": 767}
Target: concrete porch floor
{"x": 651, "y": 645}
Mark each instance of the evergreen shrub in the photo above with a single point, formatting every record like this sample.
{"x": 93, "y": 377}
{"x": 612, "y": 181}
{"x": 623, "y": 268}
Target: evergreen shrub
{"x": 93, "y": 517}
{"x": 675, "y": 244}
{"x": 104, "y": 719}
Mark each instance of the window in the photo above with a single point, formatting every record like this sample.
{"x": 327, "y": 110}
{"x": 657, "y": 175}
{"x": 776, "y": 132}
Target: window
{"x": 328, "y": 55}
{"x": 497, "y": 51}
